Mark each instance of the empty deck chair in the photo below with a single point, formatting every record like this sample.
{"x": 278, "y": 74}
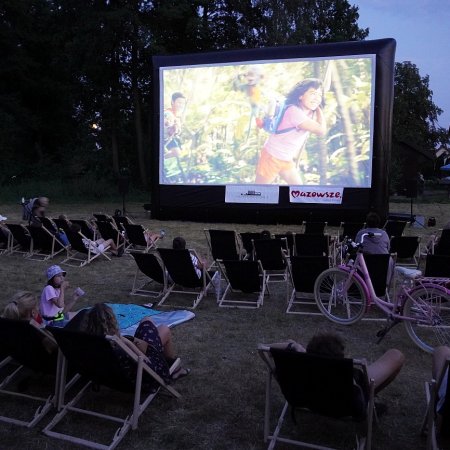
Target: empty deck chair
{"x": 407, "y": 249}
{"x": 443, "y": 245}
{"x": 151, "y": 266}
{"x": 437, "y": 266}
{"x": 310, "y": 227}
{"x": 303, "y": 271}
{"x": 350, "y": 230}
{"x": 109, "y": 363}
{"x": 137, "y": 240}
{"x": 312, "y": 245}
{"x": 223, "y": 244}
{"x": 5, "y": 243}
{"x": 46, "y": 245}
{"x": 271, "y": 253}
{"x": 289, "y": 240}
{"x": 320, "y": 386}
{"x": 182, "y": 273}
{"x": 246, "y": 284}
{"x": 24, "y": 343}
{"x": 394, "y": 227}
{"x": 21, "y": 241}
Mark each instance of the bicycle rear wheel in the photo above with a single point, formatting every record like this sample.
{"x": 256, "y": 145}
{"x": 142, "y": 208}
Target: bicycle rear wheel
{"x": 429, "y": 306}
{"x": 340, "y": 298}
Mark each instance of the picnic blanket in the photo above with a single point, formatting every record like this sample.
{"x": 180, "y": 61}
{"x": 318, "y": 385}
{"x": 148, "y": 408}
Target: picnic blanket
{"x": 129, "y": 316}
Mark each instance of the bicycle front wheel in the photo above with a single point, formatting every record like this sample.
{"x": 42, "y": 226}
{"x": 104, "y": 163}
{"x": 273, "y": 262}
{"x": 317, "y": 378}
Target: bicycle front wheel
{"x": 340, "y": 297}
{"x": 428, "y": 310}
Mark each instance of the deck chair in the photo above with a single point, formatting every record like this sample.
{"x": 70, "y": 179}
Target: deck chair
{"x": 289, "y": 240}
{"x": 303, "y": 272}
{"x": 312, "y": 245}
{"x": 378, "y": 267}
{"x": 121, "y": 221}
{"x": 223, "y": 244}
{"x": 79, "y": 255}
{"x": 246, "y": 283}
{"x": 108, "y": 230}
{"x": 5, "y": 241}
{"x": 100, "y": 360}
{"x": 86, "y": 229}
{"x": 271, "y": 253}
{"x": 247, "y": 239}
{"x": 99, "y": 217}
{"x": 182, "y": 274}
{"x": 437, "y": 266}
{"x": 407, "y": 249}
{"x": 349, "y": 230}
{"x": 136, "y": 238}
{"x": 21, "y": 241}
{"x": 23, "y": 342}
{"x": 321, "y": 386}
{"x": 443, "y": 245}
{"x": 151, "y": 266}
{"x": 394, "y": 227}
{"x": 61, "y": 224}
{"x": 434, "y": 389}
{"x": 46, "y": 245}
{"x": 314, "y": 227}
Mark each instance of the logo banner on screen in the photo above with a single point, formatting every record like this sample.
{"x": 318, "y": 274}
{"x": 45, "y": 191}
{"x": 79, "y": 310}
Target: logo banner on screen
{"x": 315, "y": 194}
{"x": 243, "y": 193}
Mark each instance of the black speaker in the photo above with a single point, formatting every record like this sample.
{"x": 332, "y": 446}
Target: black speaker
{"x": 411, "y": 188}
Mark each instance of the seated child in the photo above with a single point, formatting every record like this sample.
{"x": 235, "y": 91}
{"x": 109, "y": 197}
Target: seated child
{"x": 179, "y": 243}
{"x": 99, "y": 245}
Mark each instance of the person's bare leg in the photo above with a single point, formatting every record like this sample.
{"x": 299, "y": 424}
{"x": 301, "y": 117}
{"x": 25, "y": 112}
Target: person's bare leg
{"x": 440, "y": 355}
{"x": 386, "y": 368}
{"x": 291, "y": 176}
{"x": 166, "y": 339}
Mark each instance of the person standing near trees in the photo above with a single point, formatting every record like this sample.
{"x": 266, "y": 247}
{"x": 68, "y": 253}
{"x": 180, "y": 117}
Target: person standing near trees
{"x": 303, "y": 115}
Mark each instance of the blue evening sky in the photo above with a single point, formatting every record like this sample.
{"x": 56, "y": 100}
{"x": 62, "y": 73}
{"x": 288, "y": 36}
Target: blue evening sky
{"x": 422, "y": 31}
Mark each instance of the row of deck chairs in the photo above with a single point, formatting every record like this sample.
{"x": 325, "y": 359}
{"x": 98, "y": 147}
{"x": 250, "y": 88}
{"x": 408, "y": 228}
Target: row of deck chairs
{"x": 67, "y": 376}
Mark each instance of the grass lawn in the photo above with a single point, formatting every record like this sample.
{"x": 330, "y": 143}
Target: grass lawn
{"x": 222, "y": 404}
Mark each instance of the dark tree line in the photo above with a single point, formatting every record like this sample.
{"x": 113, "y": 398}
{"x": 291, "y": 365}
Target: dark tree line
{"x": 75, "y": 80}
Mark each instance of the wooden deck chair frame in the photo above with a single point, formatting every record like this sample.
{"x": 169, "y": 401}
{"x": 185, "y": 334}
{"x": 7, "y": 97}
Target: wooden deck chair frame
{"x": 266, "y": 353}
{"x": 223, "y": 244}
{"x": 6, "y": 238}
{"x": 303, "y": 271}
{"x": 20, "y": 240}
{"x": 407, "y": 249}
{"x": 78, "y": 248}
{"x": 151, "y": 266}
{"x": 247, "y": 238}
{"x": 246, "y": 277}
{"x": 271, "y": 253}
{"x": 23, "y": 341}
{"x": 86, "y": 229}
{"x": 314, "y": 227}
{"x": 429, "y": 424}
{"x": 72, "y": 345}
{"x": 46, "y": 245}
{"x": 182, "y": 274}
{"x": 136, "y": 240}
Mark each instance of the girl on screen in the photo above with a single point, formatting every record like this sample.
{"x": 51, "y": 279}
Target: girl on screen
{"x": 303, "y": 115}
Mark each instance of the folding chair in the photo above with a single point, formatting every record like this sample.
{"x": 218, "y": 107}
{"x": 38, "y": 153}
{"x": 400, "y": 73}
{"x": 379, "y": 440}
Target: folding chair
{"x": 443, "y": 245}
{"x": 438, "y": 403}
{"x": 247, "y": 239}
{"x": 303, "y": 271}
{"x": 407, "y": 249}
{"x": 150, "y": 265}
{"x": 246, "y": 280}
{"x": 45, "y": 244}
{"x": 21, "y": 241}
{"x": 394, "y": 227}
{"x": 24, "y": 343}
{"x": 289, "y": 240}
{"x": 5, "y": 241}
{"x": 314, "y": 227}
{"x": 349, "y": 230}
{"x": 321, "y": 386}
{"x": 86, "y": 228}
{"x": 312, "y": 245}
{"x": 136, "y": 238}
{"x": 99, "y": 217}
{"x": 104, "y": 361}
{"x": 80, "y": 254}
{"x": 122, "y": 220}
{"x": 223, "y": 244}
{"x": 437, "y": 266}
{"x": 62, "y": 224}
{"x": 271, "y": 253}
{"x": 108, "y": 230}
{"x": 182, "y": 273}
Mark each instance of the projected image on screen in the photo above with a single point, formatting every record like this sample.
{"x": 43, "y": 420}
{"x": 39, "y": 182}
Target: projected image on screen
{"x": 284, "y": 122}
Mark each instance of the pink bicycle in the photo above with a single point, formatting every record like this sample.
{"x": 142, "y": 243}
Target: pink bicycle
{"x": 344, "y": 293}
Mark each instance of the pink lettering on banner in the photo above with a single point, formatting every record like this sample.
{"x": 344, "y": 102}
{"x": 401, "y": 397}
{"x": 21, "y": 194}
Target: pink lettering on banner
{"x": 316, "y": 195}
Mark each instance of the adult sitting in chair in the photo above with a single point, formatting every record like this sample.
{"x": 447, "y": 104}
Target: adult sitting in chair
{"x": 154, "y": 342}
{"x": 383, "y": 371}
{"x": 374, "y": 240}
{"x": 179, "y": 243}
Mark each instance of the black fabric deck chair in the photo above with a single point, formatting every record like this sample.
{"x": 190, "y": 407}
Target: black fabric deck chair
{"x": 122, "y": 220}
{"x": 350, "y": 230}
{"x": 247, "y": 239}
{"x": 151, "y": 266}
{"x": 46, "y": 245}
{"x": 312, "y": 245}
{"x": 246, "y": 284}
{"x": 136, "y": 238}
{"x": 378, "y": 267}
{"x": 5, "y": 242}
{"x": 21, "y": 241}
{"x": 437, "y": 266}
{"x": 182, "y": 273}
{"x": 23, "y": 342}
{"x": 99, "y": 217}
{"x": 86, "y": 229}
{"x": 289, "y": 240}
{"x": 394, "y": 227}
{"x": 79, "y": 255}
{"x": 223, "y": 244}
{"x": 62, "y": 224}
{"x": 303, "y": 271}
{"x": 271, "y": 253}
{"x": 108, "y": 230}
{"x": 430, "y": 424}
{"x": 443, "y": 245}
{"x": 407, "y": 249}
{"x": 321, "y": 386}
{"x": 310, "y": 227}
{"x": 102, "y": 361}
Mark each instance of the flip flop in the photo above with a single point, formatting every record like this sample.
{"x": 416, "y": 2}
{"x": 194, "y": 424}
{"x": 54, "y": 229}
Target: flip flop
{"x": 180, "y": 373}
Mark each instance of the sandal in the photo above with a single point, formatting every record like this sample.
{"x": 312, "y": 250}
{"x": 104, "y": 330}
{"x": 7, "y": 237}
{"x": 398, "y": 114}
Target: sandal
{"x": 180, "y": 373}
